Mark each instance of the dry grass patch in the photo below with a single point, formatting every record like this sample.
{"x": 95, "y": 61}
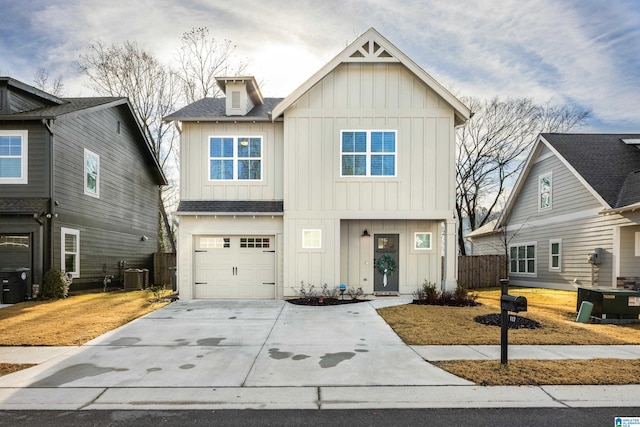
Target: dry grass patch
{"x": 72, "y": 321}
{"x": 554, "y": 309}
{"x": 9, "y": 368}
{"x": 545, "y": 372}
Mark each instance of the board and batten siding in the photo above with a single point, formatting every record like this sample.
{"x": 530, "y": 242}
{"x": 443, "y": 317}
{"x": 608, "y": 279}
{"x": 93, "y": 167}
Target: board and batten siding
{"x": 111, "y": 226}
{"x": 370, "y": 97}
{"x": 194, "y": 151}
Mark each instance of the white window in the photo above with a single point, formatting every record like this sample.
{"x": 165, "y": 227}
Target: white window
{"x": 14, "y": 157}
{"x": 91, "y": 174}
{"x": 555, "y": 255}
{"x": 545, "y": 194}
{"x": 368, "y": 153}
{"x": 235, "y": 158}
{"x": 235, "y": 99}
{"x": 70, "y": 253}
{"x": 311, "y": 239}
{"x": 522, "y": 259}
{"x": 422, "y": 241}
{"x": 637, "y": 244}
{"x": 215, "y": 242}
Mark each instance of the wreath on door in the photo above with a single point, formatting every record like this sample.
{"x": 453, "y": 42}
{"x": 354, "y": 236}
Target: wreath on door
{"x": 386, "y": 265}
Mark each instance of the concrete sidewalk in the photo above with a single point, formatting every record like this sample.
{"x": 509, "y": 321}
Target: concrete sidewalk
{"x": 271, "y": 354}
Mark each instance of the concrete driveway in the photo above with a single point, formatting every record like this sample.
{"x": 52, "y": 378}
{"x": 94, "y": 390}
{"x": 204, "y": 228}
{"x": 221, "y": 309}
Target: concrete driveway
{"x": 241, "y": 344}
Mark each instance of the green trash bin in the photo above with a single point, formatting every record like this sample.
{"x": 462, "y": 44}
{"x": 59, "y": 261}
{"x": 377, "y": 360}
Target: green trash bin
{"x": 585, "y": 312}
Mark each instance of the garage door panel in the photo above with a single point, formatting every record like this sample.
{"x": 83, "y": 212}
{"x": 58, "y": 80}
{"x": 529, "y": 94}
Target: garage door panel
{"x": 234, "y": 267}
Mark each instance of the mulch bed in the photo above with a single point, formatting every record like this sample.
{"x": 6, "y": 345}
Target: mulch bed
{"x": 325, "y": 301}
{"x": 519, "y": 323}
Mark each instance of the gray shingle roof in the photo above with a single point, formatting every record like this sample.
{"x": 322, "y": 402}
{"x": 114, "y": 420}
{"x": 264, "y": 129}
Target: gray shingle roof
{"x": 215, "y": 108}
{"x": 231, "y": 206}
{"x": 23, "y": 206}
{"x": 71, "y": 105}
{"x": 608, "y": 164}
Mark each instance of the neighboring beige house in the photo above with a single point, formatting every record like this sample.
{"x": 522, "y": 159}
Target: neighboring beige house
{"x": 578, "y": 195}
{"x": 351, "y": 173}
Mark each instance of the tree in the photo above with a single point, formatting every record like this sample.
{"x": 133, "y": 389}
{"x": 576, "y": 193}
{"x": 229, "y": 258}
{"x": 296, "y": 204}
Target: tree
{"x": 129, "y": 70}
{"x": 492, "y": 148}
{"x": 41, "y": 81}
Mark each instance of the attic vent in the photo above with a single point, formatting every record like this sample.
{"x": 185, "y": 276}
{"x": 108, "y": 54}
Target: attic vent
{"x": 235, "y": 99}
{"x": 372, "y": 51}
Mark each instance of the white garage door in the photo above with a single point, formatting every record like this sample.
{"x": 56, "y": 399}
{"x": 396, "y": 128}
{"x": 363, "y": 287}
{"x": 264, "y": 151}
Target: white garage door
{"x": 234, "y": 267}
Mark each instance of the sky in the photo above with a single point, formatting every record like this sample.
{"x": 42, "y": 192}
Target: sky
{"x": 583, "y": 53}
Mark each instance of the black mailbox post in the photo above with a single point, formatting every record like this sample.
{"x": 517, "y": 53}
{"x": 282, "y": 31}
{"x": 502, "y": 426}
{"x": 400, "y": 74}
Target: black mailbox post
{"x": 513, "y": 303}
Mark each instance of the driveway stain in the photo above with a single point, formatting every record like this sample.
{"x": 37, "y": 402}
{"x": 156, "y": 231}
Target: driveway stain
{"x": 361, "y": 350}
{"x": 331, "y": 360}
{"x": 73, "y": 373}
{"x": 275, "y": 353}
{"x": 181, "y": 341}
{"x": 187, "y": 366}
{"x": 125, "y": 341}
{"x": 233, "y": 317}
{"x": 300, "y": 357}
{"x": 154, "y": 369}
{"x": 210, "y": 342}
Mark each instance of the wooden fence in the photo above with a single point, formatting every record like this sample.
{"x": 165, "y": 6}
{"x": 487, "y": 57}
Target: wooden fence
{"x": 163, "y": 262}
{"x": 481, "y": 271}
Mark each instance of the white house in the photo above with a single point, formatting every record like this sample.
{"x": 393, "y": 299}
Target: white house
{"x": 573, "y": 218}
{"x": 350, "y": 174}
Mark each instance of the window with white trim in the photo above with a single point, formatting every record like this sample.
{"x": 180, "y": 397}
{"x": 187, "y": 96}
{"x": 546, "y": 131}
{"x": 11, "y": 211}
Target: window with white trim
{"x": 235, "y": 158}
{"x": 555, "y": 255}
{"x": 91, "y": 174}
{"x": 14, "y": 157}
{"x": 70, "y": 251}
{"x": 522, "y": 258}
{"x": 368, "y": 153}
{"x": 422, "y": 241}
{"x": 545, "y": 194}
{"x": 311, "y": 239}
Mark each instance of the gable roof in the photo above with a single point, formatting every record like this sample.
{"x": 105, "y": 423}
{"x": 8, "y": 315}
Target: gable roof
{"x": 606, "y": 165}
{"x": 207, "y": 109}
{"x": 372, "y": 47}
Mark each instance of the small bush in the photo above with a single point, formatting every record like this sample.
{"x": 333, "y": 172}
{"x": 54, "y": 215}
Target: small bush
{"x": 354, "y": 293}
{"x": 55, "y": 284}
{"x": 428, "y": 294}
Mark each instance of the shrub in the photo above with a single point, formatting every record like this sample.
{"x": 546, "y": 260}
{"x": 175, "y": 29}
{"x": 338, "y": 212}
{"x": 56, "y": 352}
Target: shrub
{"x": 55, "y": 284}
{"x": 428, "y": 294}
{"x": 354, "y": 293}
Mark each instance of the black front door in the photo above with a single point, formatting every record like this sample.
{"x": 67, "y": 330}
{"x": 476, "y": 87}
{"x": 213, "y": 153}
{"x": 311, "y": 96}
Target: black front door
{"x": 385, "y": 266}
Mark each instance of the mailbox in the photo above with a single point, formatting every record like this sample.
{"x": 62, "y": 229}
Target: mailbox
{"x": 513, "y": 303}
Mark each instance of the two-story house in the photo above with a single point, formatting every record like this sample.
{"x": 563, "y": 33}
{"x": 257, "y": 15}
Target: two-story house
{"x": 79, "y": 186}
{"x": 573, "y": 217}
{"x": 348, "y": 180}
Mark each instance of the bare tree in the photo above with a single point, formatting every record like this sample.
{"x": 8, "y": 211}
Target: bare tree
{"x": 492, "y": 148}
{"x": 42, "y": 82}
{"x": 129, "y": 70}
{"x": 201, "y": 58}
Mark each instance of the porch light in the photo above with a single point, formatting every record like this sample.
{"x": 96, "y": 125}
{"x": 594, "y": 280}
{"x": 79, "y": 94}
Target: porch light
{"x": 365, "y": 233}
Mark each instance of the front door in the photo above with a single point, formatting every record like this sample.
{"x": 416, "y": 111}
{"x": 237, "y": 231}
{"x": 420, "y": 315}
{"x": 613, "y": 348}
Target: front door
{"x": 385, "y": 266}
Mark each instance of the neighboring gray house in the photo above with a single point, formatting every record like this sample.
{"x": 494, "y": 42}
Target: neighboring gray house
{"x": 578, "y": 195}
{"x": 351, "y": 173}
{"x": 79, "y": 185}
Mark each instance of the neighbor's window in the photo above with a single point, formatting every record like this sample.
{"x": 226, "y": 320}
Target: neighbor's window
{"x": 555, "y": 255}
{"x": 91, "y": 173}
{"x": 545, "y": 193}
{"x": 422, "y": 241}
{"x": 235, "y": 158}
{"x": 14, "y": 157}
{"x": 70, "y": 251}
{"x": 368, "y": 153}
{"x": 311, "y": 239}
{"x": 522, "y": 259}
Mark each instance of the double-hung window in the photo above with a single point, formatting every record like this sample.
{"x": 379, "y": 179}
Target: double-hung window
{"x": 70, "y": 251}
{"x": 555, "y": 255}
{"x": 91, "y": 174}
{"x": 522, "y": 259}
{"x": 235, "y": 158}
{"x": 13, "y": 157}
{"x": 368, "y": 153}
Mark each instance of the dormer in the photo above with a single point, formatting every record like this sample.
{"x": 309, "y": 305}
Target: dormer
{"x": 242, "y": 94}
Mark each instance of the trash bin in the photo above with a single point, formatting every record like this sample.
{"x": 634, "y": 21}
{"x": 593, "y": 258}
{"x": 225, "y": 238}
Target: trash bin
{"x": 585, "y": 312}
{"x": 15, "y": 285}
{"x": 174, "y": 279}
